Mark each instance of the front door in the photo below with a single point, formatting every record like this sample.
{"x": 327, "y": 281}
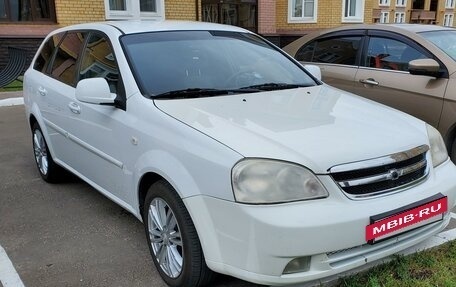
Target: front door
{"x": 384, "y": 78}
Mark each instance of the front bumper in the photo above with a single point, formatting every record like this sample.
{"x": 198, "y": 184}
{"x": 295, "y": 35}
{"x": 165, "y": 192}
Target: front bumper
{"x": 256, "y": 242}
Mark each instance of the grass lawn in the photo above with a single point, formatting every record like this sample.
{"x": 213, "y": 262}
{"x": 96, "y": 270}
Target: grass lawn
{"x": 433, "y": 267}
{"x": 12, "y": 87}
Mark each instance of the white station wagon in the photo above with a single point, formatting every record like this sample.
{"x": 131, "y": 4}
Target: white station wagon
{"x": 237, "y": 159}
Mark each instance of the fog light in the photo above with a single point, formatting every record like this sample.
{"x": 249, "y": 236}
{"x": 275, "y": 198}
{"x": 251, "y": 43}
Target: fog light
{"x": 300, "y": 264}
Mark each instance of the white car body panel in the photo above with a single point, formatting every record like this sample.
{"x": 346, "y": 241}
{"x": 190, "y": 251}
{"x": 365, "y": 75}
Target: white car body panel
{"x": 194, "y": 144}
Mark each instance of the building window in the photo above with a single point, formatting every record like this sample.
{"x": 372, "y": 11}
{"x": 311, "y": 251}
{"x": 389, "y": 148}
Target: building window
{"x": 399, "y": 17}
{"x": 353, "y": 11}
{"x": 448, "y": 20}
{"x": 384, "y": 17}
{"x": 449, "y": 3}
{"x": 134, "y": 9}
{"x": 27, "y": 11}
{"x": 384, "y": 2}
{"x": 302, "y": 11}
{"x": 401, "y": 3}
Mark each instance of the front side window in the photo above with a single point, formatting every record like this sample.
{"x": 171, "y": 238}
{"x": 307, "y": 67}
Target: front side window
{"x": 301, "y": 11}
{"x": 339, "y": 50}
{"x": 353, "y": 11}
{"x": 29, "y": 11}
{"x": 98, "y": 61}
{"x": 399, "y": 17}
{"x": 134, "y": 9}
{"x": 66, "y": 57}
{"x": 163, "y": 62}
{"x": 390, "y": 54}
{"x": 384, "y": 17}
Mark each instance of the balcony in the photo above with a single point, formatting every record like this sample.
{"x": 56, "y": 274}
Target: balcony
{"x": 422, "y": 16}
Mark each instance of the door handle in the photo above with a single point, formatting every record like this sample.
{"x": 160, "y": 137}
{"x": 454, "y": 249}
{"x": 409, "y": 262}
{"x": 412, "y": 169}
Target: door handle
{"x": 74, "y": 107}
{"x": 42, "y": 91}
{"x": 369, "y": 81}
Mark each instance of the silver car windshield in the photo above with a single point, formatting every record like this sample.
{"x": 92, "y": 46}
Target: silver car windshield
{"x": 444, "y": 40}
{"x": 216, "y": 61}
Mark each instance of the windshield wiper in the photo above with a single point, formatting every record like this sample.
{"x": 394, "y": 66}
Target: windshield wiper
{"x": 276, "y": 86}
{"x": 198, "y": 92}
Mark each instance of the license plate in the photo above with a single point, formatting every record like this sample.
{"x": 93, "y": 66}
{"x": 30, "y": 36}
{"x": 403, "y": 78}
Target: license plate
{"x": 404, "y": 219}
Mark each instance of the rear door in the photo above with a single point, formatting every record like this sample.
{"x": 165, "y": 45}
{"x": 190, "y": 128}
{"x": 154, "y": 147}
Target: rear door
{"x": 54, "y": 84}
{"x": 383, "y": 77}
{"x": 338, "y": 56}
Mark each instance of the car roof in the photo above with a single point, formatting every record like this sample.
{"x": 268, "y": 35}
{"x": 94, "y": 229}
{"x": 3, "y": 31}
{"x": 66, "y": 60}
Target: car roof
{"x": 399, "y": 28}
{"x": 141, "y": 26}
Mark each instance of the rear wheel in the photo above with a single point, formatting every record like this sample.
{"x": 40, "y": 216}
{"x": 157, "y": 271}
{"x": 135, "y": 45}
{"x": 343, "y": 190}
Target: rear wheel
{"x": 47, "y": 168}
{"x": 173, "y": 241}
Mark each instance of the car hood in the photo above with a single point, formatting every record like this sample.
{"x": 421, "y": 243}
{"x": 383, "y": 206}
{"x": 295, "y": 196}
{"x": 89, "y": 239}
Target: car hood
{"x": 317, "y": 127}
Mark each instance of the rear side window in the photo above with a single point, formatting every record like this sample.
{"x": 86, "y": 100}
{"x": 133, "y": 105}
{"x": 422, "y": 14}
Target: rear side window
{"x": 339, "y": 50}
{"x": 45, "y": 55}
{"x": 64, "y": 64}
{"x": 98, "y": 61}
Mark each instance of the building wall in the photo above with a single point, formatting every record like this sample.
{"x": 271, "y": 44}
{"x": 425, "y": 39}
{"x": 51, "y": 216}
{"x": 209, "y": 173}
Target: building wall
{"x": 329, "y": 15}
{"x": 181, "y": 9}
{"x": 73, "y": 12}
{"x": 81, "y": 11}
{"x": 267, "y": 17}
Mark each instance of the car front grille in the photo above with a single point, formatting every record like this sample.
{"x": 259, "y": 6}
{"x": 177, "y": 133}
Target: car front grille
{"x": 380, "y": 175}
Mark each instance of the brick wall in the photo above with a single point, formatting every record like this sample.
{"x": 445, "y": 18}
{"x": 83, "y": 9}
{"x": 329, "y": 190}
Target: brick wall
{"x": 329, "y": 14}
{"x": 267, "y": 16}
{"x": 81, "y": 11}
{"x": 181, "y": 9}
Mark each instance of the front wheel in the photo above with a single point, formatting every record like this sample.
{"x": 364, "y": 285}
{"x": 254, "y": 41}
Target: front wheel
{"x": 173, "y": 241}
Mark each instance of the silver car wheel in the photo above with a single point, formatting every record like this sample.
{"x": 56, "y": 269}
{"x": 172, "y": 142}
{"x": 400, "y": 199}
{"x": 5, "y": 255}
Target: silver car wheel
{"x": 165, "y": 237}
{"x": 41, "y": 152}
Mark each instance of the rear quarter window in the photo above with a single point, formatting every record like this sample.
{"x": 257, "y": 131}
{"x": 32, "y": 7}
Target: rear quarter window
{"x": 45, "y": 55}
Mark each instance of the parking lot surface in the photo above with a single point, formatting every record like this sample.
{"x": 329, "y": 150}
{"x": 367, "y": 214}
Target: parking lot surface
{"x": 67, "y": 234}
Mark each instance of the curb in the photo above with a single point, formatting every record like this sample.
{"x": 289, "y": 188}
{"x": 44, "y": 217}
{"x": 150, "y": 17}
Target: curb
{"x": 7, "y": 95}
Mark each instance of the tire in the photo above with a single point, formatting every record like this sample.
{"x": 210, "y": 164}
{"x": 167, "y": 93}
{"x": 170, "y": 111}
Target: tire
{"x": 47, "y": 168}
{"x": 172, "y": 238}
{"x": 453, "y": 152}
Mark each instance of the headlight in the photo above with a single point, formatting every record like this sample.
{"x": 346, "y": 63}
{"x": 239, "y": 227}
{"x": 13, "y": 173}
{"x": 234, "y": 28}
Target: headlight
{"x": 269, "y": 181}
{"x": 439, "y": 153}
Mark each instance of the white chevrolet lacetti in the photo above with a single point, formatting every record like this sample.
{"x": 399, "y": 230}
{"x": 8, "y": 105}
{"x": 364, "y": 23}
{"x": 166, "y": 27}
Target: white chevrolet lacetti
{"x": 237, "y": 159}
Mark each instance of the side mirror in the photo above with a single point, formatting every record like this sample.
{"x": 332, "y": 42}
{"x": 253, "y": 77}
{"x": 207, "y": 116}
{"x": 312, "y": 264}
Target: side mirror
{"x": 94, "y": 91}
{"x": 314, "y": 70}
{"x": 425, "y": 67}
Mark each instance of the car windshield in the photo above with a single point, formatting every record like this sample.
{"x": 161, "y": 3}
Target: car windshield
{"x": 207, "y": 63}
{"x": 445, "y": 40}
